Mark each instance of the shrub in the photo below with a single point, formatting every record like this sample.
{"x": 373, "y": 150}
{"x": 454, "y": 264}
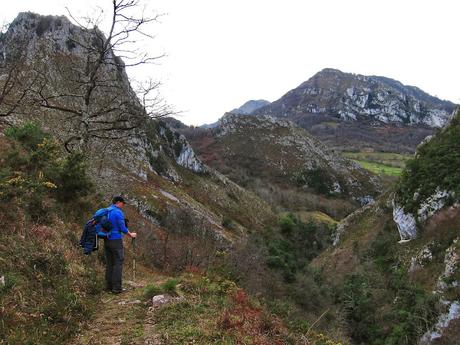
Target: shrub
{"x": 40, "y": 262}
{"x": 389, "y": 299}
{"x": 382, "y": 250}
{"x": 318, "y": 179}
{"x": 298, "y": 243}
{"x": 152, "y": 290}
{"x": 170, "y": 286}
{"x": 73, "y": 181}
{"x": 228, "y": 223}
{"x": 30, "y": 135}
{"x": 275, "y": 262}
{"x": 177, "y": 148}
{"x": 34, "y": 171}
{"x": 44, "y": 25}
{"x": 287, "y": 223}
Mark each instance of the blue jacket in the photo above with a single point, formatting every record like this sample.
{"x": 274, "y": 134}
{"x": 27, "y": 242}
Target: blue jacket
{"x": 117, "y": 218}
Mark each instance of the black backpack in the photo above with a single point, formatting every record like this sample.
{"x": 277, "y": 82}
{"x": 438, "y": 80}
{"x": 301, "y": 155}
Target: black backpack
{"x": 99, "y": 226}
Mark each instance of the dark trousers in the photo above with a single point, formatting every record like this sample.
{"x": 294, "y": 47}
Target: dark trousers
{"x": 114, "y": 255}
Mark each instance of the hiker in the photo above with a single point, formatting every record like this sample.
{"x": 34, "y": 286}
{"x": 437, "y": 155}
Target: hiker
{"x": 113, "y": 246}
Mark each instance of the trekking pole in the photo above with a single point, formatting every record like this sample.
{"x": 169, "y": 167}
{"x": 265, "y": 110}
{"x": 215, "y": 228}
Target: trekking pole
{"x": 133, "y": 242}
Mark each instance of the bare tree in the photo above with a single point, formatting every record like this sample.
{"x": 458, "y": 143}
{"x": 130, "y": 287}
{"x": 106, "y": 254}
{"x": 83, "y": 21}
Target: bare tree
{"x": 95, "y": 95}
{"x": 153, "y": 103}
{"x": 8, "y": 83}
{"x": 13, "y": 85}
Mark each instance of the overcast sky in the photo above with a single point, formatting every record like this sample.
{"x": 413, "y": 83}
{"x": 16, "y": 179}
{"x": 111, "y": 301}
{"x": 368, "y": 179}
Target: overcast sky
{"x": 222, "y": 53}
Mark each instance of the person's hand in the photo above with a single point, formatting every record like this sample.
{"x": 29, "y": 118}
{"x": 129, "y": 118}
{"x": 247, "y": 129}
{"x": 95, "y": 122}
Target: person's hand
{"x": 132, "y": 234}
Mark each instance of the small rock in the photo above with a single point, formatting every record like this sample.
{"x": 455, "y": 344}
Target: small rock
{"x": 136, "y": 301}
{"x": 422, "y": 258}
{"x": 159, "y": 300}
{"x": 2, "y": 281}
{"x": 134, "y": 285}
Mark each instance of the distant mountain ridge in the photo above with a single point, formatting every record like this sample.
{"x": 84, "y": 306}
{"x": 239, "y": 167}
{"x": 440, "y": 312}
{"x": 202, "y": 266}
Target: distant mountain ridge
{"x": 246, "y": 109}
{"x": 357, "y": 111}
{"x": 250, "y": 106}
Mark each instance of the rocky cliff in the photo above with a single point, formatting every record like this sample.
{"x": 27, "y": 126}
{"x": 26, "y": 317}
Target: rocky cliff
{"x": 356, "y": 111}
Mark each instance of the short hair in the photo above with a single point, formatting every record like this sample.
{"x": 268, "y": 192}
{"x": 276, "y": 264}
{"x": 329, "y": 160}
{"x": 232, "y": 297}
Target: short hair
{"x": 118, "y": 198}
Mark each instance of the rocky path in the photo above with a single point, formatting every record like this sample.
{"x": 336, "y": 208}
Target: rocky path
{"x": 123, "y": 319}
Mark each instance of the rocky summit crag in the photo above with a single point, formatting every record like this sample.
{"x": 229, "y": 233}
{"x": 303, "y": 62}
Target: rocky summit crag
{"x": 353, "y": 111}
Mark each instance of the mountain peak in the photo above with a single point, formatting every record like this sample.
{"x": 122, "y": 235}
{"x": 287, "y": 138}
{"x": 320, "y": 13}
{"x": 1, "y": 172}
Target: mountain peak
{"x": 330, "y": 70}
{"x": 38, "y": 24}
{"x": 250, "y": 106}
{"x": 354, "y": 109}
{"x": 32, "y": 33}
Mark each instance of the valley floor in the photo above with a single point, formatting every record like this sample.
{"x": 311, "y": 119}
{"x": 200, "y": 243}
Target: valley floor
{"x": 380, "y": 163}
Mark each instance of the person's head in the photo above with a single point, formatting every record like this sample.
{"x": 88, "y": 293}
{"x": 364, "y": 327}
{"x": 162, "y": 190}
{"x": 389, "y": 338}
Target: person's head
{"x": 118, "y": 201}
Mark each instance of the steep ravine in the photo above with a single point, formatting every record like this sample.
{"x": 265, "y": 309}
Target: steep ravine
{"x": 401, "y": 255}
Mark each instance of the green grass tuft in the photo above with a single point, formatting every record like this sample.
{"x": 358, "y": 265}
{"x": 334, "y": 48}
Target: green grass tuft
{"x": 170, "y": 286}
{"x": 152, "y": 290}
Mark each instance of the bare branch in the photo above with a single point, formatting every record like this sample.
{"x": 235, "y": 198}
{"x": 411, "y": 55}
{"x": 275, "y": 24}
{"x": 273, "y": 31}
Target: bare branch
{"x": 91, "y": 89}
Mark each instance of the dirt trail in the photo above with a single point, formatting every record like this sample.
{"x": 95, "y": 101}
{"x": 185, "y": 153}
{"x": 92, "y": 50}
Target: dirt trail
{"x": 123, "y": 319}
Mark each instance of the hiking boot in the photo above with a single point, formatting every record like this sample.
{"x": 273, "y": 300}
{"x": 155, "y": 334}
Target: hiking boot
{"x": 116, "y": 292}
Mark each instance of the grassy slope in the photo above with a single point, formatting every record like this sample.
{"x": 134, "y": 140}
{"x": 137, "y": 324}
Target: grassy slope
{"x": 380, "y": 169}
{"x": 50, "y": 287}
